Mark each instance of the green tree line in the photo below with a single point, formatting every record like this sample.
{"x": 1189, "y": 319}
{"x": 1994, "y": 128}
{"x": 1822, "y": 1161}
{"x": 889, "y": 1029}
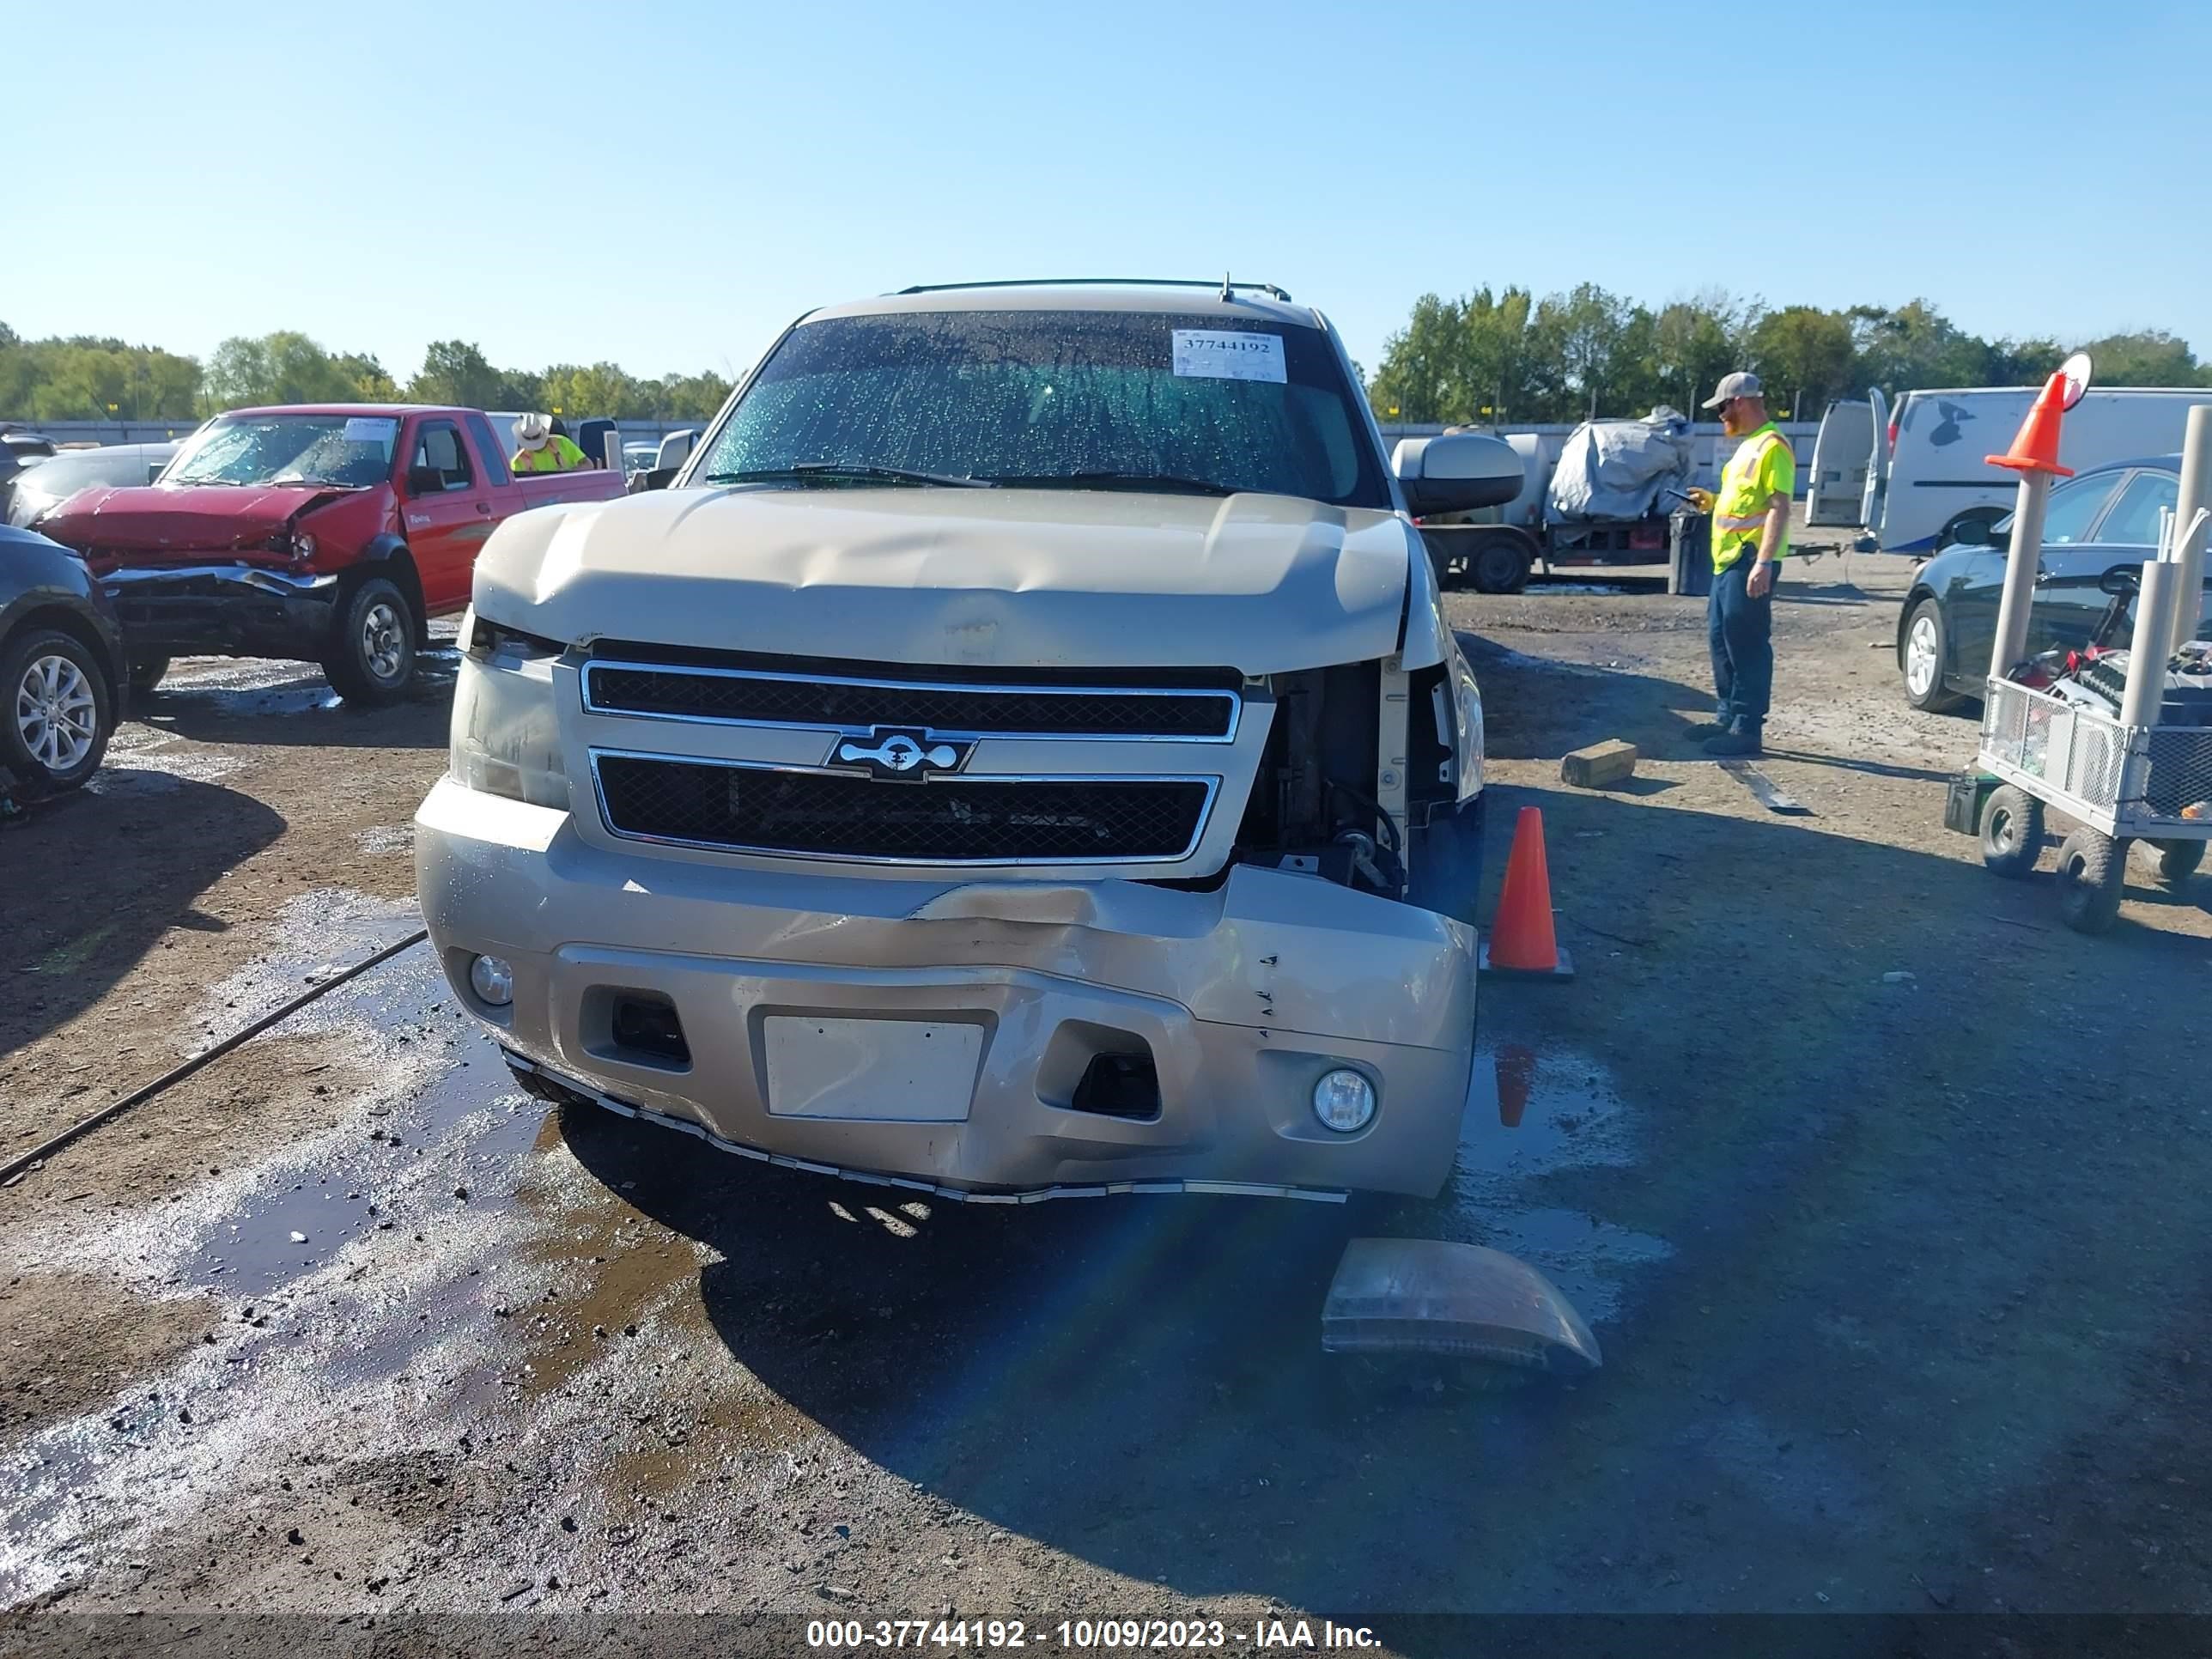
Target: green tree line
{"x": 87, "y": 379}
{"x": 1507, "y": 356}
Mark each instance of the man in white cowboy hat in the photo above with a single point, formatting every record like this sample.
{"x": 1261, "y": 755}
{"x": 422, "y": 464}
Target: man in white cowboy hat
{"x": 1751, "y": 537}
{"x": 544, "y": 450}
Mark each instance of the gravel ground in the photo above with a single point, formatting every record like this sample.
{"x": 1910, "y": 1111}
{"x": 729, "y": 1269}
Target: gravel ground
{"x": 1866, "y": 1171}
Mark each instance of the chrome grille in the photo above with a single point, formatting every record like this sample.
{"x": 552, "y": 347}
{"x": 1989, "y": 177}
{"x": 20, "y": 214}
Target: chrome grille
{"x": 735, "y": 807}
{"x": 856, "y": 702}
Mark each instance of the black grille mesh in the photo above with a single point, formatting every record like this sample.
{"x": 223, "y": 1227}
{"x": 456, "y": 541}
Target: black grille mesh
{"x": 940, "y": 822}
{"x": 1046, "y": 711}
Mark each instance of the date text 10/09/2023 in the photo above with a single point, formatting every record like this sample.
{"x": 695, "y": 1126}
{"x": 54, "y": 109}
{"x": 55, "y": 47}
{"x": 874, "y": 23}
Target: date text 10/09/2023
{"x": 1086, "y": 1635}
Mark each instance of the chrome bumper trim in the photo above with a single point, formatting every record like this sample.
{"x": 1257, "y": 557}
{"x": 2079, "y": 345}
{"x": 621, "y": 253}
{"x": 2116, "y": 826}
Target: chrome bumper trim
{"x": 1038, "y": 1195}
{"x": 282, "y": 583}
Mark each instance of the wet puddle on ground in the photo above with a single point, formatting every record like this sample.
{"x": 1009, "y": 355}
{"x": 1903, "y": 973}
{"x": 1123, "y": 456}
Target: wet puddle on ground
{"x": 1532, "y": 1115}
{"x": 437, "y": 1258}
{"x": 338, "y": 1262}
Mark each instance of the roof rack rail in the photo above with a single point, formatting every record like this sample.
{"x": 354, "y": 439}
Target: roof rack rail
{"x": 1224, "y": 286}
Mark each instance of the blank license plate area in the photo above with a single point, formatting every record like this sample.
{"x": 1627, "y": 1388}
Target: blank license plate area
{"x": 902, "y": 1071}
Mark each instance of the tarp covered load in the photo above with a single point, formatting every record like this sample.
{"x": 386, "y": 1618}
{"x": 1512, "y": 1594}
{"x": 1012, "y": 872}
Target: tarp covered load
{"x": 1616, "y": 469}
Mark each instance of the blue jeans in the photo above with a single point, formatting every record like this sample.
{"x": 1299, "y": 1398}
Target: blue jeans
{"x": 1741, "y": 631}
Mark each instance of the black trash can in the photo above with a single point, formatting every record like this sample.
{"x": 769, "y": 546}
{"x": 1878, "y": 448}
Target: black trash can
{"x": 1690, "y": 554}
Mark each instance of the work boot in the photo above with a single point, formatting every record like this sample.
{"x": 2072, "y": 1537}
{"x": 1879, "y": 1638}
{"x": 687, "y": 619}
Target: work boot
{"x": 1737, "y": 740}
{"x": 1713, "y": 729}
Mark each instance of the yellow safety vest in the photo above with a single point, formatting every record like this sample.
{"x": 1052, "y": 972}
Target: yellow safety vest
{"x": 1762, "y": 466}
{"x": 555, "y": 456}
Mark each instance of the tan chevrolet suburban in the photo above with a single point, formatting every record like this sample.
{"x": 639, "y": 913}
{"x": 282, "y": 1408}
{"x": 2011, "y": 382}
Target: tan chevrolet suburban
{"x": 1021, "y": 755}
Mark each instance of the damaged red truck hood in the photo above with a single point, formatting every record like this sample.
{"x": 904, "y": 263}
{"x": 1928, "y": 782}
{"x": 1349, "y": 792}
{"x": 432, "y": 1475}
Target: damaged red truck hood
{"x": 161, "y": 524}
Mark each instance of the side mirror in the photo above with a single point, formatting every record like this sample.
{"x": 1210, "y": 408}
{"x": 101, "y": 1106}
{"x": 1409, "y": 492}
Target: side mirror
{"x": 1974, "y": 532}
{"x": 2120, "y": 582}
{"x": 658, "y": 478}
{"x": 1457, "y": 472}
{"x": 425, "y": 481}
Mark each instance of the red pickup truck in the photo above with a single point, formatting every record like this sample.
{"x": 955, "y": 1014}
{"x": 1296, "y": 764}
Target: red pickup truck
{"x": 332, "y": 532}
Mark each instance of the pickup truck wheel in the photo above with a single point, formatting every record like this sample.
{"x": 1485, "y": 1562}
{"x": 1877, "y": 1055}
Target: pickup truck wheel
{"x": 372, "y": 654}
{"x": 1499, "y": 564}
{"x": 57, "y": 712}
{"x": 147, "y": 672}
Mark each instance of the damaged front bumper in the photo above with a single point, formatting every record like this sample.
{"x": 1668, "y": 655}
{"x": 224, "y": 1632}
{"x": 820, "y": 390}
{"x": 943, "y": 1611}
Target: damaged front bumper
{"x": 797, "y": 993}
{"x": 223, "y": 609}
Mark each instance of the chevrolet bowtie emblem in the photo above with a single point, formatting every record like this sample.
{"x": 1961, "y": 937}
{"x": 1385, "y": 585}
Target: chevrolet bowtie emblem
{"x": 889, "y": 752}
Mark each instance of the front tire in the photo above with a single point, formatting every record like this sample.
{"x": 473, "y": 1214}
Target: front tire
{"x": 58, "y": 713}
{"x": 2093, "y": 870}
{"x": 2012, "y": 832}
{"x": 372, "y": 653}
{"x": 1923, "y": 657}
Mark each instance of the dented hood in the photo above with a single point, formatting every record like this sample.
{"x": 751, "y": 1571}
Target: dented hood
{"x": 1003, "y": 578}
{"x": 155, "y": 523}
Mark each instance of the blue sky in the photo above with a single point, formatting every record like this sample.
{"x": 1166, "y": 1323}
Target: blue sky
{"x": 666, "y": 184}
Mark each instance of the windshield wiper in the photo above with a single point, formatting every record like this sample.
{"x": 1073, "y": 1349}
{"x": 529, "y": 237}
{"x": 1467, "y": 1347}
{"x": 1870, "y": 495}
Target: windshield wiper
{"x": 1162, "y": 481}
{"x": 804, "y": 469}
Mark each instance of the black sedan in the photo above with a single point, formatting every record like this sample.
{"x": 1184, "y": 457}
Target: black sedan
{"x": 2103, "y": 518}
{"x": 62, "y": 667}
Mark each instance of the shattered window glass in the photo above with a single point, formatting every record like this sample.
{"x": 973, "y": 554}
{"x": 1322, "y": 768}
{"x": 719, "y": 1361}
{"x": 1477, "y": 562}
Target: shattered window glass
{"x": 1062, "y": 398}
{"x": 262, "y": 449}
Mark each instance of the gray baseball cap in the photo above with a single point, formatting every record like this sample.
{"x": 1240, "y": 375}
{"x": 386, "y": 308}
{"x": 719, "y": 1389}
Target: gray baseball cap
{"x": 1741, "y": 384}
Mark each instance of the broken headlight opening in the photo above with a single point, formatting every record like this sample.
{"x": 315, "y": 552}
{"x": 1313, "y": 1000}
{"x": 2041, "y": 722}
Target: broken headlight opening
{"x": 507, "y": 729}
{"x": 1313, "y": 807}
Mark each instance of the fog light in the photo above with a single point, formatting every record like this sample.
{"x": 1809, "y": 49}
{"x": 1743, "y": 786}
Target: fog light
{"x": 494, "y": 981}
{"x": 1344, "y": 1101}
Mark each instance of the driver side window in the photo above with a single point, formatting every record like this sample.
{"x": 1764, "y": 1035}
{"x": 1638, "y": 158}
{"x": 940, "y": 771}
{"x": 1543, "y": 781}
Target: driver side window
{"x": 439, "y": 450}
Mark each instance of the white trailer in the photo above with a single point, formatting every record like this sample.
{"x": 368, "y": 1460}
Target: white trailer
{"x": 1921, "y": 475}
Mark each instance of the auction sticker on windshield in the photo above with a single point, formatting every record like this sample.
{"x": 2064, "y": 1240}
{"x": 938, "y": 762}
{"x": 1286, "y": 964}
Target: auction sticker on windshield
{"x": 372, "y": 429}
{"x": 1224, "y": 354}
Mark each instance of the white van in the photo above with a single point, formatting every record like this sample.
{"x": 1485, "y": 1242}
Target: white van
{"x": 1927, "y": 474}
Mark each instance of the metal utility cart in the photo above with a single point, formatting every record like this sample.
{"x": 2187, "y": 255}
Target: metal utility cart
{"x": 2118, "y": 770}
{"x": 2119, "y": 783}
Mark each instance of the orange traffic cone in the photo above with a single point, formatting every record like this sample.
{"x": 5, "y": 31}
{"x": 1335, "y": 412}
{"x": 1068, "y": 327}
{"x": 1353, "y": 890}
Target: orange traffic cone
{"x": 1521, "y": 938}
{"x": 2035, "y": 446}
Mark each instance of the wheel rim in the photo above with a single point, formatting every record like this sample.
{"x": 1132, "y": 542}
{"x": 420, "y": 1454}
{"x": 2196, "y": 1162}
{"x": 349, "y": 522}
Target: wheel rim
{"x": 383, "y": 647}
{"x": 1924, "y": 647}
{"x": 2004, "y": 834}
{"x": 57, "y": 716}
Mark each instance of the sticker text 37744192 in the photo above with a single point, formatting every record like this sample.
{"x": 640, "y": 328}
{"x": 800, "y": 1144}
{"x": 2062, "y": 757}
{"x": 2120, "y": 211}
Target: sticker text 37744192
{"x": 1229, "y": 354}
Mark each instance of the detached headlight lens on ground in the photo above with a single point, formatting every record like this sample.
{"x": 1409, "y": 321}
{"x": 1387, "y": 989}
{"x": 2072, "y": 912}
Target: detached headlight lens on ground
{"x": 1344, "y": 1101}
{"x": 492, "y": 979}
{"x": 507, "y": 732}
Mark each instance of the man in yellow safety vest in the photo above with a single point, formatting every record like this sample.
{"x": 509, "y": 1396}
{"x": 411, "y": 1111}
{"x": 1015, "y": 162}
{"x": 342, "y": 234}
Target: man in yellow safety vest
{"x": 543, "y": 449}
{"x": 1751, "y": 537}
